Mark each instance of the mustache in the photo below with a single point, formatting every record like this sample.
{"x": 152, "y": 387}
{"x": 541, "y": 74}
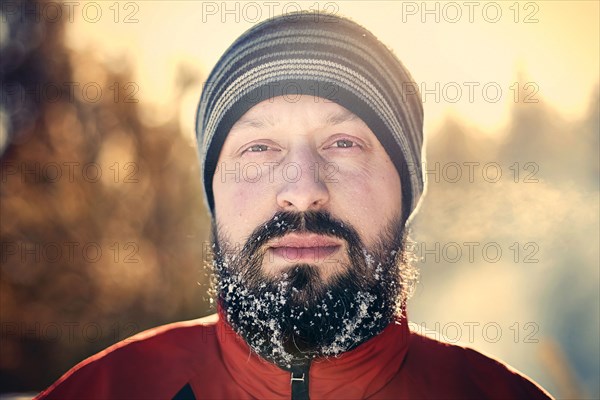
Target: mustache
{"x": 317, "y": 222}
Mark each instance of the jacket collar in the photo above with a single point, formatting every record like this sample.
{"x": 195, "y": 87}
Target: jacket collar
{"x": 358, "y": 373}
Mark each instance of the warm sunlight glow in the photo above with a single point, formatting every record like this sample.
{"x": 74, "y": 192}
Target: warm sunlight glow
{"x": 473, "y": 61}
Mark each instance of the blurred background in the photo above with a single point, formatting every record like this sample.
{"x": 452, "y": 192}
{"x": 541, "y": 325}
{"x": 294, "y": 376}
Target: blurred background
{"x": 103, "y": 227}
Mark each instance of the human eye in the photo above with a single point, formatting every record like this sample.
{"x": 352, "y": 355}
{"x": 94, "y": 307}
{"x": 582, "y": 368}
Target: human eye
{"x": 344, "y": 143}
{"x": 258, "y": 148}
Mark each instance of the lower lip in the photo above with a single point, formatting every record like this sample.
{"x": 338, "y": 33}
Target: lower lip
{"x": 297, "y": 254}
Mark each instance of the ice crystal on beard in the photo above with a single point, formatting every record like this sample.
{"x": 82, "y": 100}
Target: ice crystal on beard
{"x": 254, "y": 311}
{"x": 378, "y": 271}
{"x": 368, "y": 258}
{"x": 348, "y": 337}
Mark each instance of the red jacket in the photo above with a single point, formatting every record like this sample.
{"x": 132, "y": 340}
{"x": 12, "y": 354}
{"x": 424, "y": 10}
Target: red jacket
{"x": 207, "y": 358}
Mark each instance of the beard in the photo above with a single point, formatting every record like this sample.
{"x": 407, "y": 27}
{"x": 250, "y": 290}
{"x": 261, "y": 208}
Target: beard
{"x": 294, "y": 316}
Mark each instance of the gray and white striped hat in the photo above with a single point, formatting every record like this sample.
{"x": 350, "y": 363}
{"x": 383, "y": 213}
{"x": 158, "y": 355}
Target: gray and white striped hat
{"x": 315, "y": 54}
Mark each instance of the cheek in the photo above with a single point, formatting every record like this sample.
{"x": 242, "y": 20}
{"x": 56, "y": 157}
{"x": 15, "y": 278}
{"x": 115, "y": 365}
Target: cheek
{"x": 366, "y": 189}
{"x": 352, "y": 197}
{"x": 368, "y": 198}
{"x": 240, "y": 207}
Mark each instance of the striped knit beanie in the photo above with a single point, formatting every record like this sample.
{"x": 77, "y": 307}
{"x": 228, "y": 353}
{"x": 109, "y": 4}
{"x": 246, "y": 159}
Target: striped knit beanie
{"x": 323, "y": 55}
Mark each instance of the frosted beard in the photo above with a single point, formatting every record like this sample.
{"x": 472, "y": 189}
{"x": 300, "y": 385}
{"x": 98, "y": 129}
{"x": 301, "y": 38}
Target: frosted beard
{"x": 296, "y": 316}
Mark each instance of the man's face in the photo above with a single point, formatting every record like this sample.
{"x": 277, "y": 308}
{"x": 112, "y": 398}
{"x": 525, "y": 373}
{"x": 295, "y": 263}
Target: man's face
{"x": 309, "y": 235}
{"x": 305, "y": 155}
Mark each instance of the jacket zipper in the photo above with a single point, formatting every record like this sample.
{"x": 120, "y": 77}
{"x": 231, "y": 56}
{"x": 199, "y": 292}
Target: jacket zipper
{"x": 299, "y": 381}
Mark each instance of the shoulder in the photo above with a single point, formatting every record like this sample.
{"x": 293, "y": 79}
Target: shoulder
{"x": 455, "y": 368}
{"x": 151, "y": 364}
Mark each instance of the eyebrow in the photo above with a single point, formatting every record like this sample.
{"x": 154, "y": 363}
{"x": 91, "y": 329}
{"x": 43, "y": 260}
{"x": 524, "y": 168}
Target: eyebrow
{"x": 334, "y": 118}
{"x": 339, "y": 117}
{"x": 260, "y": 122}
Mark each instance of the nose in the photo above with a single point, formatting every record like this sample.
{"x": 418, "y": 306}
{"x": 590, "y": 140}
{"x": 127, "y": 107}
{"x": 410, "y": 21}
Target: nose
{"x": 302, "y": 188}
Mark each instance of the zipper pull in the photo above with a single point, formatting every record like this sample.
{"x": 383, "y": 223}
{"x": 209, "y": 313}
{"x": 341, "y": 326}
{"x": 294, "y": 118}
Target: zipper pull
{"x": 299, "y": 381}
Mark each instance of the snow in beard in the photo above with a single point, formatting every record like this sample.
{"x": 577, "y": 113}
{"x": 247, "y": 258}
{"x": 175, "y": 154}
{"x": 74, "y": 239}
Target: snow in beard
{"x": 264, "y": 320}
{"x": 270, "y": 318}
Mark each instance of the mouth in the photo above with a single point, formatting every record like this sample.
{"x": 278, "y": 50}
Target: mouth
{"x": 304, "y": 248}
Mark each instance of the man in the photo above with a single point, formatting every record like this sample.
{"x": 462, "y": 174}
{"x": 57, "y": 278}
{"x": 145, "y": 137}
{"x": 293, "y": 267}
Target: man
{"x": 310, "y": 147}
